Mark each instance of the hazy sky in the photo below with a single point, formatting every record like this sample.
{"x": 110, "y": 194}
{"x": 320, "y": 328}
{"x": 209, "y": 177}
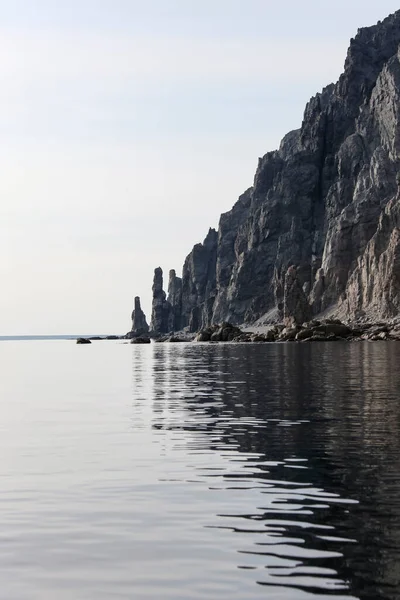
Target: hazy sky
{"x": 127, "y": 127}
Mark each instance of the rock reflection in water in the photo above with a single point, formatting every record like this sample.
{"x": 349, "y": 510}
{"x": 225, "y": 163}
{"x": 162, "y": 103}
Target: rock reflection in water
{"x": 300, "y": 446}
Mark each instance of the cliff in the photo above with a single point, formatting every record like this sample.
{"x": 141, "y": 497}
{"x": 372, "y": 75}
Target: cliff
{"x": 326, "y": 202}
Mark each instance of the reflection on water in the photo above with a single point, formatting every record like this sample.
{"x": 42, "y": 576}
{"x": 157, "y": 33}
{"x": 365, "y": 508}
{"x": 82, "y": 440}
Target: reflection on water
{"x": 304, "y": 441}
{"x": 194, "y": 471}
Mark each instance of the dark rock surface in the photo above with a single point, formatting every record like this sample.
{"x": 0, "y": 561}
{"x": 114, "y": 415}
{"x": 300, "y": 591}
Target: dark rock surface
{"x": 226, "y": 332}
{"x": 166, "y": 315}
{"x": 139, "y": 323}
{"x": 175, "y": 302}
{"x": 296, "y": 309}
{"x": 198, "y": 283}
{"x": 327, "y": 202}
{"x": 83, "y": 341}
{"x": 160, "y": 307}
{"x": 141, "y": 340}
{"x": 327, "y": 330}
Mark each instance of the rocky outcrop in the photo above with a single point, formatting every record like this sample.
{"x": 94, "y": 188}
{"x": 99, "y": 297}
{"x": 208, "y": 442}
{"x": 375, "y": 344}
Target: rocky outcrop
{"x": 160, "y": 307}
{"x": 327, "y": 201}
{"x": 327, "y": 330}
{"x": 139, "y": 323}
{"x": 296, "y": 309}
{"x": 166, "y": 315}
{"x": 141, "y": 340}
{"x": 175, "y": 302}
{"x": 226, "y": 332}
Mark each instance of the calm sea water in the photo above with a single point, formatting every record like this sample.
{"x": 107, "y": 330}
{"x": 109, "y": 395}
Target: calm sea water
{"x": 191, "y": 471}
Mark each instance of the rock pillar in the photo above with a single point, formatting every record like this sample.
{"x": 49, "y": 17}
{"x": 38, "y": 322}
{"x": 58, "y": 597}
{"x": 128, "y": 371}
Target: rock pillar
{"x": 139, "y": 323}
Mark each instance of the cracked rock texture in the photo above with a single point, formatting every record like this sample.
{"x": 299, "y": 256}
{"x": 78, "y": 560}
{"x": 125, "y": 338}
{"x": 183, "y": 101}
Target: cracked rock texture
{"x": 326, "y": 202}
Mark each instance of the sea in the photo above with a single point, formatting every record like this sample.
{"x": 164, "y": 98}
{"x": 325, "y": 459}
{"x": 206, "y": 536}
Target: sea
{"x": 194, "y": 471}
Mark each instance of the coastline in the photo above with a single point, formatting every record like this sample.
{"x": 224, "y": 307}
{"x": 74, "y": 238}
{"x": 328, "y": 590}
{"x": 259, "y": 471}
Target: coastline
{"x": 324, "y": 330}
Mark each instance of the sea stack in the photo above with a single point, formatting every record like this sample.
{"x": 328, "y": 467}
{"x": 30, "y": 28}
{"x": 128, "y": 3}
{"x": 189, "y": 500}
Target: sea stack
{"x": 160, "y": 306}
{"x": 139, "y": 323}
{"x": 175, "y": 302}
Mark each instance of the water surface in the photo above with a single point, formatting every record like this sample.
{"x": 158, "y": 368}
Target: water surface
{"x": 199, "y": 471}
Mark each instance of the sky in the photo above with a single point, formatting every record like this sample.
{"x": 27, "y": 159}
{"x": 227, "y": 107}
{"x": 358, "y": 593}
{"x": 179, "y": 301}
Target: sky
{"x": 126, "y": 129}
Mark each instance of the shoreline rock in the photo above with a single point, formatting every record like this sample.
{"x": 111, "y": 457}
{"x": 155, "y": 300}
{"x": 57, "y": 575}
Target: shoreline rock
{"x": 83, "y": 341}
{"x": 141, "y": 340}
{"x": 327, "y": 330}
{"x": 139, "y": 323}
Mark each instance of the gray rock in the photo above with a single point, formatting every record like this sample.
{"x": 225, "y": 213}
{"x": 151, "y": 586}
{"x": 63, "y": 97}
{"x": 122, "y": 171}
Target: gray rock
{"x": 175, "y": 302}
{"x": 296, "y": 308}
{"x": 226, "y": 332}
{"x": 304, "y": 334}
{"x": 327, "y": 201}
{"x": 141, "y": 340}
{"x": 198, "y": 284}
{"x": 139, "y": 323}
{"x": 160, "y": 313}
{"x": 337, "y": 329}
{"x": 203, "y": 336}
{"x": 271, "y": 335}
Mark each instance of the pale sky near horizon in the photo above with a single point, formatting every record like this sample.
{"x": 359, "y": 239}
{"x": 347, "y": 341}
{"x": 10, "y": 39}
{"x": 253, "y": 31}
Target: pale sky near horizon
{"x": 127, "y": 127}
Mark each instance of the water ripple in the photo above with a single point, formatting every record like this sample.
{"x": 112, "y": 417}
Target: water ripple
{"x": 200, "y": 471}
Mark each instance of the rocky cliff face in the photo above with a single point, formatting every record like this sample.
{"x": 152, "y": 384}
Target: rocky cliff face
{"x": 327, "y": 202}
{"x": 199, "y": 283}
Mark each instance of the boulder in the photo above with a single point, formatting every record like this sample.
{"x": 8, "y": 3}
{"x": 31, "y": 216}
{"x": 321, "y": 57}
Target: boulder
{"x": 226, "y": 332}
{"x": 271, "y": 335}
{"x": 304, "y": 334}
{"x": 289, "y": 334}
{"x": 337, "y": 328}
{"x": 258, "y": 338}
{"x": 204, "y": 336}
{"x": 83, "y": 341}
{"x": 141, "y": 340}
